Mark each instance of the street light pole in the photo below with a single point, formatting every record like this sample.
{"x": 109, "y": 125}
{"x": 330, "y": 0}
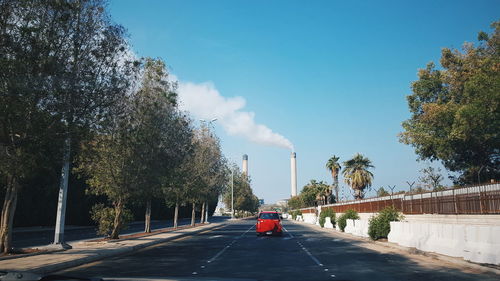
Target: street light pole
{"x": 232, "y": 193}
{"x": 209, "y": 124}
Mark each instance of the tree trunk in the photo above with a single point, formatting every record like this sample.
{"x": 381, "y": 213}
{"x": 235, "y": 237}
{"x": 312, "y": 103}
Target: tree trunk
{"x": 147, "y": 221}
{"x": 193, "y": 214}
{"x": 8, "y": 210}
{"x": 359, "y": 194}
{"x": 337, "y": 189}
{"x": 202, "y": 219}
{"x": 117, "y": 224}
{"x": 176, "y": 214}
{"x": 206, "y": 212}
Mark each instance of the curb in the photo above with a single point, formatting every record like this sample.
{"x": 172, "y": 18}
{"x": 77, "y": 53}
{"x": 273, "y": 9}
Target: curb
{"x": 45, "y": 250}
{"x": 18, "y": 256}
{"x": 106, "y": 253}
{"x": 413, "y": 251}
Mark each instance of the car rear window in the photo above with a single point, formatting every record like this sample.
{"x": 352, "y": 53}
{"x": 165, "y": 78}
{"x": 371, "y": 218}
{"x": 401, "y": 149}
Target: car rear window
{"x": 269, "y": 216}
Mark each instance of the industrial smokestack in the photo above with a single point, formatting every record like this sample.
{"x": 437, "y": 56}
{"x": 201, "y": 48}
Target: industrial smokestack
{"x": 245, "y": 165}
{"x": 293, "y": 172}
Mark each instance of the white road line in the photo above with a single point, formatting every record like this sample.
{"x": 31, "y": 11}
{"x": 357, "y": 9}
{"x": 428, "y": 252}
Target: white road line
{"x": 312, "y": 257}
{"x": 229, "y": 245}
{"x": 305, "y": 249}
{"x": 247, "y": 231}
{"x": 289, "y": 233}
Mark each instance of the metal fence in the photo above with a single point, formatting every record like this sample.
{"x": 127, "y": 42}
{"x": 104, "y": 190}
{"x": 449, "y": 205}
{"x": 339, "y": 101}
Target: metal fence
{"x": 484, "y": 199}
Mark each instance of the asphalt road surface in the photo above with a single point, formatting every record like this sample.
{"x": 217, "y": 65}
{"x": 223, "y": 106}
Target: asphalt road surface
{"x": 234, "y": 252}
{"x": 39, "y": 237}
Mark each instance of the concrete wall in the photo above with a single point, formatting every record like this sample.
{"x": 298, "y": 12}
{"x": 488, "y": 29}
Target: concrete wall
{"x": 492, "y": 220}
{"x": 357, "y": 227}
{"x": 455, "y": 219}
{"x": 310, "y": 218}
{"x": 328, "y": 223}
{"x": 476, "y": 243}
{"x": 473, "y": 237}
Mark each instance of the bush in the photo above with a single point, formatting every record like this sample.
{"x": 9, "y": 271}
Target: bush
{"x": 105, "y": 216}
{"x": 326, "y": 213}
{"x": 349, "y": 214}
{"x": 295, "y": 214}
{"x": 380, "y": 226}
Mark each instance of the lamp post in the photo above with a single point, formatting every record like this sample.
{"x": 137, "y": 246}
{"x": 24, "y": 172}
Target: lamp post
{"x": 232, "y": 193}
{"x": 209, "y": 123}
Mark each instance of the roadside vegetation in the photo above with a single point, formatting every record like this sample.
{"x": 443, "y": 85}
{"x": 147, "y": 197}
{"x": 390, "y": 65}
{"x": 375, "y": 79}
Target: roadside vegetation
{"x": 328, "y": 212}
{"x": 245, "y": 201}
{"x": 79, "y": 109}
{"x": 379, "y": 225}
{"x": 455, "y": 112}
{"x": 295, "y": 213}
{"x": 356, "y": 174}
{"x": 347, "y": 215}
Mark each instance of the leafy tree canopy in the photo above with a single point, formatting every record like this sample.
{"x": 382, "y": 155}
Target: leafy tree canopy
{"x": 357, "y": 175}
{"x": 455, "y": 110}
{"x": 312, "y": 191}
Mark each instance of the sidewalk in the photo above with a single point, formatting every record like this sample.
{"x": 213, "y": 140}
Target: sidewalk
{"x": 377, "y": 245}
{"x": 87, "y": 251}
{"x": 24, "y": 229}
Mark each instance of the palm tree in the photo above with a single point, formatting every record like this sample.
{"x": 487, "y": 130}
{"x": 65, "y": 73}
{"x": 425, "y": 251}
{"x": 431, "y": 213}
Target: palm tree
{"x": 356, "y": 174}
{"x": 334, "y": 167}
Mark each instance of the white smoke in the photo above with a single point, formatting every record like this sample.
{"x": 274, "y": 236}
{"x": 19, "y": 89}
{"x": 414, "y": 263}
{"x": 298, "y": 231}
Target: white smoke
{"x": 204, "y": 101}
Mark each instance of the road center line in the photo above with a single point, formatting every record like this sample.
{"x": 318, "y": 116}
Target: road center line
{"x": 229, "y": 245}
{"x": 304, "y": 249}
{"x": 288, "y": 232}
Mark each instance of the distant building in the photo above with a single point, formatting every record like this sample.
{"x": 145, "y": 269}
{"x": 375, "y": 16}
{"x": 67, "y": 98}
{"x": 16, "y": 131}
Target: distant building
{"x": 282, "y": 203}
{"x": 261, "y": 202}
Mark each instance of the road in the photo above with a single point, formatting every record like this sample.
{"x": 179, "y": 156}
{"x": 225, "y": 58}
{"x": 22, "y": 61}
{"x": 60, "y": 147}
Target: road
{"x": 234, "y": 252}
{"x": 41, "y": 237}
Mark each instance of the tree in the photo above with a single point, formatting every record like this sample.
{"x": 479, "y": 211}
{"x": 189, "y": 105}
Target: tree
{"x": 356, "y": 174}
{"x": 161, "y": 135}
{"x": 62, "y": 63}
{"x": 108, "y": 163}
{"x": 244, "y": 199}
{"x": 382, "y": 192}
{"x": 205, "y": 171}
{"x": 455, "y": 111}
{"x": 314, "y": 193}
{"x": 431, "y": 178}
{"x": 295, "y": 203}
{"x": 334, "y": 167}
{"x": 135, "y": 152}
{"x": 175, "y": 189}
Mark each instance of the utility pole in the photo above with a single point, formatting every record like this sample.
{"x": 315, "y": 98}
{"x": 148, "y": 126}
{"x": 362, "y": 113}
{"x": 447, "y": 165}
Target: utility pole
{"x": 206, "y": 212}
{"x": 232, "y": 193}
{"x": 63, "y": 192}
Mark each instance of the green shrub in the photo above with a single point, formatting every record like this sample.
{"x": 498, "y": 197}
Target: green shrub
{"x": 327, "y": 213}
{"x": 296, "y": 213}
{"x": 349, "y": 214}
{"x": 105, "y": 217}
{"x": 380, "y": 226}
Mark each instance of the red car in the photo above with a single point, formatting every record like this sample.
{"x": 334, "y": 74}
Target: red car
{"x": 269, "y": 223}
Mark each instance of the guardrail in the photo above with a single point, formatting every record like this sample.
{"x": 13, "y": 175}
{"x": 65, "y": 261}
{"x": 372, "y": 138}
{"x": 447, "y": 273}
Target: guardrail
{"x": 484, "y": 199}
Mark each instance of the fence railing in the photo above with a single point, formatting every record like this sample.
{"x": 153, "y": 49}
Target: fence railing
{"x": 484, "y": 199}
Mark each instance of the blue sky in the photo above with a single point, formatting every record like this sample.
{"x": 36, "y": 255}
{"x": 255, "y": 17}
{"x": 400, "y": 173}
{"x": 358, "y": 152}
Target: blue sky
{"x": 330, "y": 76}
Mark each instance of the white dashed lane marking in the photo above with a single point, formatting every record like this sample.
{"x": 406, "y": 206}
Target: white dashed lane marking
{"x": 308, "y": 253}
{"x": 228, "y": 246}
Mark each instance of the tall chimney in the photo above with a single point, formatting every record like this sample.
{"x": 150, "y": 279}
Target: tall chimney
{"x": 245, "y": 165}
{"x": 293, "y": 170}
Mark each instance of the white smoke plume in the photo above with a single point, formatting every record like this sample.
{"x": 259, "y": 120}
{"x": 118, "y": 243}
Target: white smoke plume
{"x": 204, "y": 101}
